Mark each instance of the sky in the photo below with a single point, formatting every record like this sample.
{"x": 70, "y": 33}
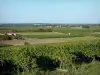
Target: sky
{"x": 50, "y": 11}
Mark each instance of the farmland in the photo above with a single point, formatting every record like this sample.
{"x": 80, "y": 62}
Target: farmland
{"x": 38, "y": 50}
{"x": 47, "y": 40}
{"x": 74, "y": 58}
{"x": 55, "y": 32}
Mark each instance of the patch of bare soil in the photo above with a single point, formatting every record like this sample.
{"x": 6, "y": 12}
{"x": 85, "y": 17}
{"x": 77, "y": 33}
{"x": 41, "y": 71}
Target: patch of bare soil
{"x": 31, "y": 41}
{"x": 48, "y": 40}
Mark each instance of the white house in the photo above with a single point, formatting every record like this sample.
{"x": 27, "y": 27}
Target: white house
{"x": 11, "y": 34}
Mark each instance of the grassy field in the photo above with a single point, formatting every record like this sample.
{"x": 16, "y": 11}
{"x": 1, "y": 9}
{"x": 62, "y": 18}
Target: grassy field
{"x": 41, "y": 33}
{"x": 57, "y": 32}
{"x": 62, "y": 33}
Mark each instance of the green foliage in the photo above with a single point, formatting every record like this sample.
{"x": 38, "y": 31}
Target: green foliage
{"x": 4, "y": 45}
{"x": 5, "y": 37}
{"x": 26, "y": 56}
{"x": 18, "y": 37}
{"x": 85, "y": 26}
{"x": 85, "y": 69}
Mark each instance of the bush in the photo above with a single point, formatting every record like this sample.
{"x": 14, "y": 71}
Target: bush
{"x": 19, "y": 37}
{"x": 85, "y": 26}
{"x": 5, "y": 45}
{"x": 5, "y": 37}
{"x": 26, "y": 43}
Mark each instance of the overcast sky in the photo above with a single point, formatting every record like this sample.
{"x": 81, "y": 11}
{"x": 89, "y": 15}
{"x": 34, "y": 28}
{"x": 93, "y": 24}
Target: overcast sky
{"x": 49, "y": 11}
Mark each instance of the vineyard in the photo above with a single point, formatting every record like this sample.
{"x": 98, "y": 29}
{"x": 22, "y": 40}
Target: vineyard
{"x": 64, "y": 56}
{"x": 53, "y": 32}
{"x": 62, "y": 33}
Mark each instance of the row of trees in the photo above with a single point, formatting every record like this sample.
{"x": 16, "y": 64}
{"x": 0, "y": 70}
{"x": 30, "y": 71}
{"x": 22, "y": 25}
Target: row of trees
{"x": 35, "y": 30}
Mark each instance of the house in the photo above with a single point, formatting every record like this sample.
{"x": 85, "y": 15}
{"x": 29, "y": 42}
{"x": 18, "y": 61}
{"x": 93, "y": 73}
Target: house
{"x": 11, "y": 34}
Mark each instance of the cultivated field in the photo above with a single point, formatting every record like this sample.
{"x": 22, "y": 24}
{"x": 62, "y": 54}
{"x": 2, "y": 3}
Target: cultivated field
{"x": 46, "y": 40}
{"x": 41, "y": 33}
{"x": 72, "y": 58}
{"x": 50, "y": 51}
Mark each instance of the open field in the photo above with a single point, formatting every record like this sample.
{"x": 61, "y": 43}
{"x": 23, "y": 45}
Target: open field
{"x": 48, "y": 40}
{"x": 41, "y": 33}
{"x": 63, "y": 33}
{"x": 57, "y": 32}
{"x": 53, "y": 52}
{"x": 55, "y": 29}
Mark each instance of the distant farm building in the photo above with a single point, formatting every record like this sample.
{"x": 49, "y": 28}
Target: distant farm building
{"x": 11, "y": 34}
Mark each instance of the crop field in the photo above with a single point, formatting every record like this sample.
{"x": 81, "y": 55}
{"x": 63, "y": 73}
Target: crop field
{"x": 62, "y": 32}
{"x": 73, "y": 58}
{"x": 33, "y": 32}
{"x": 41, "y": 33}
{"x": 50, "y": 51}
{"x": 59, "y": 34}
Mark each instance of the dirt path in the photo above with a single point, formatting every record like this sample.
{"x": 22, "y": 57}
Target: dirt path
{"x": 48, "y": 40}
{"x": 31, "y": 41}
